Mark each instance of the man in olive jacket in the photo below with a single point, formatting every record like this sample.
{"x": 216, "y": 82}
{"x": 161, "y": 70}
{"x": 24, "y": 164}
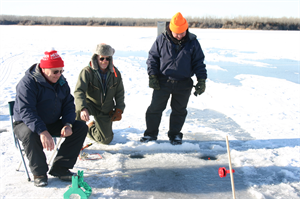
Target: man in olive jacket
{"x": 100, "y": 92}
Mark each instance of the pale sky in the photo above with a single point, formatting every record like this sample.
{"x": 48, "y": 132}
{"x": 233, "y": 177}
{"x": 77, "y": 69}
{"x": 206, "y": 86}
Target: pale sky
{"x": 152, "y": 9}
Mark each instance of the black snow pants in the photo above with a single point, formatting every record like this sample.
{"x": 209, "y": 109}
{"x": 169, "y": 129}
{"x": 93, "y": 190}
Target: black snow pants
{"x": 180, "y": 91}
{"x": 68, "y": 151}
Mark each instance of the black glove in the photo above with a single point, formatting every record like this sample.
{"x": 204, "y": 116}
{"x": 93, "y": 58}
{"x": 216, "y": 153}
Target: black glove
{"x": 153, "y": 82}
{"x": 200, "y": 87}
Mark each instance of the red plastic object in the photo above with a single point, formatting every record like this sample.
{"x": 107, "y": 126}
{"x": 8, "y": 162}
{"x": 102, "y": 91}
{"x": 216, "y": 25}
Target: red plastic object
{"x": 223, "y": 172}
{"x": 87, "y": 156}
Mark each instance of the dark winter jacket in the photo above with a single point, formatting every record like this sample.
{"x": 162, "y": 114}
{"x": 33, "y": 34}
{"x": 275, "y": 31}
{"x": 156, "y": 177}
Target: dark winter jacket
{"x": 90, "y": 93}
{"x": 39, "y": 103}
{"x": 176, "y": 62}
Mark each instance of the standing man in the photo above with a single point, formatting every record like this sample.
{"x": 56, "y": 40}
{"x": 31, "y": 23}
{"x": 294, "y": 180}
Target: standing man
{"x": 44, "y": 107}
{"x": 100, "y": 92}
{"x": 174, "y": 58}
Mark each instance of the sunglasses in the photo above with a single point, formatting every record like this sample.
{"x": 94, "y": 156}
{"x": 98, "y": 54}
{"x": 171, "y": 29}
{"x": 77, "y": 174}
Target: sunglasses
{"x": 106, "y": 58}
{"x": 58, "y": 71}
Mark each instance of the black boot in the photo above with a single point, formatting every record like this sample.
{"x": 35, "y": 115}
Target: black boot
{"x": 147, "y": 138}
{"x": 62, "y": 173}
{"x": 176, "y": 140}
{"x": 40, "y": 181}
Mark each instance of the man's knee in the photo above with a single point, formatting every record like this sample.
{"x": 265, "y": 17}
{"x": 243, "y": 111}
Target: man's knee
{"x": 24, "y": 134}
{"x": 108, "y": 140}
{"x": 100, "y": 137}
{"x": 80, "y": 127}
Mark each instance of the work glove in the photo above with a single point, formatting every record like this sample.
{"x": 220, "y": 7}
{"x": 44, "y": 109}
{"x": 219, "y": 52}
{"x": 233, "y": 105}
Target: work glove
{"x": 116, "y": 115}
{"x": 200, "y": 87}
{"x": 154, "y": 82}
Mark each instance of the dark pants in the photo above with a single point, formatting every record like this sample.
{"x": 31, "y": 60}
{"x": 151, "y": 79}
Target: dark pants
{"x": 180, "y": 91}
{"x": 68, "y": 151}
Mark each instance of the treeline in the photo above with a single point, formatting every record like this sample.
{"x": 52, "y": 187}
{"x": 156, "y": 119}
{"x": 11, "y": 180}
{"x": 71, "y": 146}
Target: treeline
{"x": 251, "y": 23}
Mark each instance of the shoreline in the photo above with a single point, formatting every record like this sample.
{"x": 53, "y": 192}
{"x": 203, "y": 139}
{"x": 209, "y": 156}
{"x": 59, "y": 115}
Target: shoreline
{"x": 144, "y": 27}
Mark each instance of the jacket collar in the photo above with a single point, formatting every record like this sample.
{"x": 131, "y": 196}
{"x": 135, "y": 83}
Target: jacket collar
{"x": 175, "y": 41}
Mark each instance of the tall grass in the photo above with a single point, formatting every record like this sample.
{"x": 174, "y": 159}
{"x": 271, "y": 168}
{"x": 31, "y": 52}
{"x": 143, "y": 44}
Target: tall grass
{"x": 252, "y": 23}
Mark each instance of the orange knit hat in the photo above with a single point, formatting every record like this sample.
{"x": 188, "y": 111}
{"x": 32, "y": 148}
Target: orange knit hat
{"x": 178, "y": 23}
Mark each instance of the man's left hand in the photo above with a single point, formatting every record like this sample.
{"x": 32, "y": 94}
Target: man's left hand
{"x": 116, "y": 115}
{"x": 66, "y": 131}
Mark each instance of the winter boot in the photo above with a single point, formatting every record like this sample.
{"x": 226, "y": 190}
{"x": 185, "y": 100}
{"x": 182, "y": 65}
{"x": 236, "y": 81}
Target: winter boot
{"x": 62, "y": 173}
{"x": 40, "y": 181}
{"x": 91, "y": 124}
{"x": 177, "y": 140}
{"x": 147, "y": 138}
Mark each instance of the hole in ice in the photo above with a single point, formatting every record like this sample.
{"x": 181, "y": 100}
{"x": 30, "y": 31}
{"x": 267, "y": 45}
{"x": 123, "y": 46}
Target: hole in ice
{"x": 137, "y": 156}
{"x": 208, "y": 157}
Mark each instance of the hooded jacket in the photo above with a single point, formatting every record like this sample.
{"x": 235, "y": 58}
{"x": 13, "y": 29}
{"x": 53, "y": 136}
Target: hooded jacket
{"x": 178, "y": 61}
{"x": 91, "y": 94}
{"x": 39, "y": 103}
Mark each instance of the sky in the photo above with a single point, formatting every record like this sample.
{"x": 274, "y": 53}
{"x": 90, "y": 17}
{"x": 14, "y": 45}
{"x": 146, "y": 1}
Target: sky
{"x": 152, "y": 9}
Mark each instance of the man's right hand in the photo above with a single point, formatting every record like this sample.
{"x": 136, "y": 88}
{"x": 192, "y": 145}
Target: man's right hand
{"x": 200, "y": 87}
{"x": 84, "y": 115}
{"x": 47, "y": 140}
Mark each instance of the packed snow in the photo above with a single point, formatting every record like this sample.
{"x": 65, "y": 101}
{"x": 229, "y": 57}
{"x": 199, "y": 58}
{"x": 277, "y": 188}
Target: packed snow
{"x": 252, "y": 96}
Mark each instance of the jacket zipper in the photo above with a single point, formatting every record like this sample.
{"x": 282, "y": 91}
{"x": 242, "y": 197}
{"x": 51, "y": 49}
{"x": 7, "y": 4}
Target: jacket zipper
{"x": 103, "y": 89}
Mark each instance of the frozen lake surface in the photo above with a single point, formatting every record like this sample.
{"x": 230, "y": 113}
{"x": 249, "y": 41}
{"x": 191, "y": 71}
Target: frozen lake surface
{"x": 252, "y": 96}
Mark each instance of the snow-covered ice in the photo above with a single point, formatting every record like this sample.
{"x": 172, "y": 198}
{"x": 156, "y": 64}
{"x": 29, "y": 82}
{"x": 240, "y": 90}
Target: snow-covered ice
{"x": 252, "y": 96}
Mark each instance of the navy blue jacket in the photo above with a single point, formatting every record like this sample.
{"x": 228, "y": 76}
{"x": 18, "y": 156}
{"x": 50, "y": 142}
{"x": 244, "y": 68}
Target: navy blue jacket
{"x": 165, "y": 60}
{"x": 39, "y": 103}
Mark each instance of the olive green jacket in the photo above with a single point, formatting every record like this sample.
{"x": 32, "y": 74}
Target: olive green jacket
{"x": 90, "y": 94}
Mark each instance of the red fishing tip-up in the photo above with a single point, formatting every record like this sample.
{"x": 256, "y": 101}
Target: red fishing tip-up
{"x": 223, "y": 172}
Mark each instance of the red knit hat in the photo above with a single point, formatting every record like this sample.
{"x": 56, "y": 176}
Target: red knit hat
{"x": 51, "y": 60}
{"x": 178, "y": 23}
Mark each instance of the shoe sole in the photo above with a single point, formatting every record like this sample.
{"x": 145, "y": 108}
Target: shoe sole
{"x": 63, "y": 178}
{"x": 41, "y": 184}
{"x": 145, "y": 141}
{"x": 176, "y": 143}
